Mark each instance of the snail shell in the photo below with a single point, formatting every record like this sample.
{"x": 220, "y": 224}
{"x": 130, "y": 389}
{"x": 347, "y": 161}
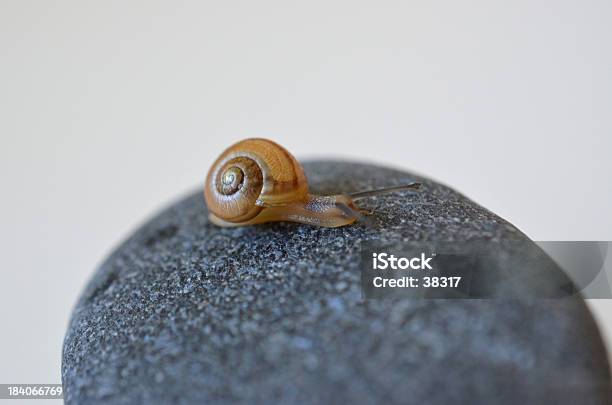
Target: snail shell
{"x": 257, "y": 180}
{"x": 251, "y": 175}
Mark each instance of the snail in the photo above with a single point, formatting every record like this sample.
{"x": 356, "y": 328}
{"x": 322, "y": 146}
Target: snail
{"x": 256, "y": 181}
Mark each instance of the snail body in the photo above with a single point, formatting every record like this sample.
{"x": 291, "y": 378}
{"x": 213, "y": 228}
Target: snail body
{"x": 256, "y": 181}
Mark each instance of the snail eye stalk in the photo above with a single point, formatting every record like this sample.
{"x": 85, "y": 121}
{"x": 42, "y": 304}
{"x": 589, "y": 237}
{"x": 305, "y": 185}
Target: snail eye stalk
{"x": 371, "y": 193}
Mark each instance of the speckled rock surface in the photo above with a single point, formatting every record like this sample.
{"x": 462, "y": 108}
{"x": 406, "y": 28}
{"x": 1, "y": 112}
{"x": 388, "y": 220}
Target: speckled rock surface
{"x": 185, "y": 312}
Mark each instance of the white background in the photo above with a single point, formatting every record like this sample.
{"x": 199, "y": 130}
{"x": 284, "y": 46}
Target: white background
{"x": 109, "y": 111}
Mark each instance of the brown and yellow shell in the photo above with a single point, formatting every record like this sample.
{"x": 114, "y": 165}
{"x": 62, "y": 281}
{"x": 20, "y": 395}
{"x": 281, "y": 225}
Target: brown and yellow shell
{"x": 251, "y": 175}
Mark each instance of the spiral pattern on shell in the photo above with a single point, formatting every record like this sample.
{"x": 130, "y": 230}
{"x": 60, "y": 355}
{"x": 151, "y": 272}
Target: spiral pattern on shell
{"x": 250, "y": 175}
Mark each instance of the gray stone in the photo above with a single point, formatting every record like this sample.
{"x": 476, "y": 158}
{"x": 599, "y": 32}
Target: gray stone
{"x": 185, "y": 312}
